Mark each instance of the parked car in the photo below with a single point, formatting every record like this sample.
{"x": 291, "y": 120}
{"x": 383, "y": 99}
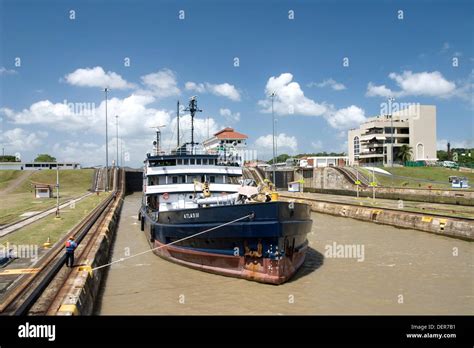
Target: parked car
{"x": 450, "y": 164}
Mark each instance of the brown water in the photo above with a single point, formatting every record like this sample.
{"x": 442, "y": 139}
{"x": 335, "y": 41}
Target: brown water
{"x": 403, "y": 272}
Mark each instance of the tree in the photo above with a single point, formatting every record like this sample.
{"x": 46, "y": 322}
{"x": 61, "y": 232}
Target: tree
{"x": 8, "y": 158}
{"x": 405, "y": 153}
{"x": 44, "y": 157}
{"x": 442, "y": 155}
{"x": 280, "y": 158}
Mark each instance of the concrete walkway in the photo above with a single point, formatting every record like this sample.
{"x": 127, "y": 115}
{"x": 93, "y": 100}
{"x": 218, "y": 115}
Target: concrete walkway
{"x": 12, "y": 228}
{"x": 409, "y": 206}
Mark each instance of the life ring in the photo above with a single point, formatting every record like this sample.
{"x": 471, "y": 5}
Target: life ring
{"x": 166, "y": 196}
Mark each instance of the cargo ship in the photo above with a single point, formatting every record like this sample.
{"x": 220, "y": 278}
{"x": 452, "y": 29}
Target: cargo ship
{"x": 198, "y": 211}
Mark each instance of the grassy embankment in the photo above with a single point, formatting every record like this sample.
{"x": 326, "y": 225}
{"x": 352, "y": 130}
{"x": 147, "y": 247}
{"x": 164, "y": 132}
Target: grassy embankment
{"x": 439, "y": 175}
{"x": 73, "y": 183}
{"x": 38, "y": 232}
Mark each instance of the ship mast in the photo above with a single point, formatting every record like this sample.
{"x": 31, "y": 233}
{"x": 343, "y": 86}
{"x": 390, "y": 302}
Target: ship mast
{"x": 177, "y": 122}
{"x": 192, "y": 108}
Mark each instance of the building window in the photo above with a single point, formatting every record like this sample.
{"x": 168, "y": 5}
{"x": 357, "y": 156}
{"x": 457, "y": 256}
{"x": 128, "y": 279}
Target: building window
{"x": 175, "y": 179}
{"x": 204, "y": 161}
{"x": 183, "y": 179}
{"x": 198, "y": 161}
{"x": 186, "y": 162}
{"x": 180, "y": 161}
{"x": 192, "y": 161}
{"x": 356, "y": 147}
{"x": 212, "y": 178}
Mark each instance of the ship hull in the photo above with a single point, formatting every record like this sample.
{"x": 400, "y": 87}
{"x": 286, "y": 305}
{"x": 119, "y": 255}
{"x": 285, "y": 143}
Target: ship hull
{"x": 268, "y": 247}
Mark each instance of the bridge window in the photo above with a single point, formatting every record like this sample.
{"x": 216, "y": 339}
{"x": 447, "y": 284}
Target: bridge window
{"x": 212, "y": 178}
{"x": 186, "y": 161}
{"x": 192, "y": 161}
{"x": 204, "y": 161}
{"x": 180, "y": 161}
{"x": 183, "y": 179}
{"x": 174, "y": 179}
{"x": 198, "y": 161}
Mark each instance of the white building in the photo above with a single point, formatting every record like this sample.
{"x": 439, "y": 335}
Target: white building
{"x": 38, "y": 165}
{"x": 228, "y": 143}
{"x": 323, "y": 161}
{"x": 415, "y": 126}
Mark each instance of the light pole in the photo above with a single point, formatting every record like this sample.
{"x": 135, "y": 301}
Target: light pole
{"x": 116, "y": 138}
{"x": 390, "y": 100}
{"x": 57, "y": 189}
{"x": 106, "y": 90}
{"x": 273, "y": 138}
{"x": 276, "y": 138}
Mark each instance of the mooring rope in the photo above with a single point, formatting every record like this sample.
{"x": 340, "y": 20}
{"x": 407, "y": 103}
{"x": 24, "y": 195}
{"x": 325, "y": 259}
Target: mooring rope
{"x": 176, "y": 241}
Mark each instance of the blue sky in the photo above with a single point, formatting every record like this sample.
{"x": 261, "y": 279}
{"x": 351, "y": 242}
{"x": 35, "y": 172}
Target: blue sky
{"x": 318, "y": 99}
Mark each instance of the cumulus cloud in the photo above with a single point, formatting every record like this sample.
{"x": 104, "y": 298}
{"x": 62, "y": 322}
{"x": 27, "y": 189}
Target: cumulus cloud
{"x": 328, "y": 83}
{"x": 22, "y": 140}
{"x": 56, "y": 115}
{"x": 222, "y": 90}
{"x": 161, "y": 84}
{"x": 229, "y": 115}
{"x": 285, "y": 143}
{"x": 97, "y": 77}
{"x": 135, "y": 115}
{"x": 431, "y": 84}
{"x": 346, "y": 118}
{"x": 289, "y": 98}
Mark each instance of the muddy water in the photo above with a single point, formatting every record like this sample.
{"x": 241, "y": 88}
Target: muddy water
{"x": 401, "y": 272}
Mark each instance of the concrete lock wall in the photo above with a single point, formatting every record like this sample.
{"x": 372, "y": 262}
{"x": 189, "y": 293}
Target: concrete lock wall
{"x": 329, "y": 180}
{"x": 83, "y": 298}
{"x": 450, "y": 227}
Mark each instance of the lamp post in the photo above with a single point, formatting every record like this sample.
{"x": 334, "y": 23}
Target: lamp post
{"x": 390, "y": 100}
{"x": 273, "y": 138}
{"x": 57, "y": 189}
{"x": 116, "y": 138}
{"x": 106, "y": 90}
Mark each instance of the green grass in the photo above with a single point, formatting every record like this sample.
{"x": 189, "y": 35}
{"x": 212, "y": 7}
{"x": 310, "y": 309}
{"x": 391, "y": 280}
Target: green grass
{"x": 39, "y": 231}
{"x": 8, "y": 175}
{"x": 73, "y": 183}
{"x": 423, "y": 173}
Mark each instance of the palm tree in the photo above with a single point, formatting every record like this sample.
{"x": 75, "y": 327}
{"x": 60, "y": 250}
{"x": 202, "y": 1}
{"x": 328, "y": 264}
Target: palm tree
{"x": 405, "y": 153}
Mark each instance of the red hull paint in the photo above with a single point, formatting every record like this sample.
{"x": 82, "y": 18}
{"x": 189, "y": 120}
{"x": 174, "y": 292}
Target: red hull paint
{"x": 262, "y": 270}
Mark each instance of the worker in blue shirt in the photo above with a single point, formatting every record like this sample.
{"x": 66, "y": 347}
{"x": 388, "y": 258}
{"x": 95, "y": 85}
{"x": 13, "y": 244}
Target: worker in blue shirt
{"x": 71, "y": 245}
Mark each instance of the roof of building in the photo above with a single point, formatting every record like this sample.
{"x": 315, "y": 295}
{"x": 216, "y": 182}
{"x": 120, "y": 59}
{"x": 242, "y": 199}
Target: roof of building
{"x": 229, "y": 133}
{"x": 42, "y": 185}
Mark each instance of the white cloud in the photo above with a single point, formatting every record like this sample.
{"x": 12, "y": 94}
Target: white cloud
{"x": 289, "y": 98}
{"x": 222, "y": 90}
{"x": 97, "y": 77}
{"x": 20, "y": 140}
{"x": 346, "y": 118}
{"x": 329, "y": 82}
{"x": 284, "y": 142}
{"x": 431, "y": 84}
{"x": 5, "y": 71}
{"x": 58, "y": 116}
{"x": 229, "y": 116}
{"x": 193, "y": 86}
{"x": 378, "y": 91}
{"x": 161, "y": 84}
{"x": 135, "y": 116}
